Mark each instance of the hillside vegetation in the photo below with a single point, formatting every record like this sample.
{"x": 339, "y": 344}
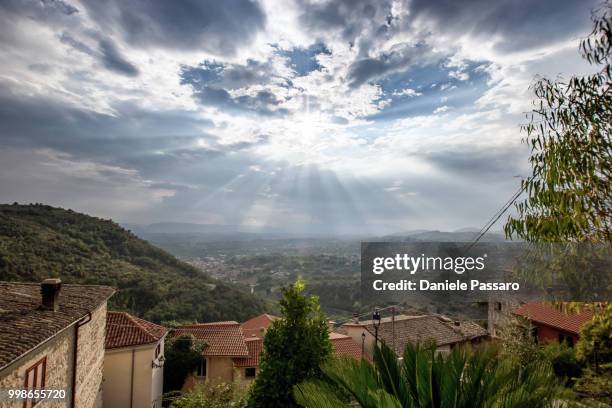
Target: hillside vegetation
{"x": 39, "y": 241}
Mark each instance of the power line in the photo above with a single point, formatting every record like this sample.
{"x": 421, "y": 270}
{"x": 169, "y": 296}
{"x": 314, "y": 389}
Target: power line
{"x": 489, "y": 224}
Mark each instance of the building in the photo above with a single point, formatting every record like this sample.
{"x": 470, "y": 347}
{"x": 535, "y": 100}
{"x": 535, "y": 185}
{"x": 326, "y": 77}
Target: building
{"x": 133, "y": 364}
{"x": 257, "y": 326}
{"x": 550, "y": 323}
{"x": 249, "y": 366}
{"x": 399, "y": 331}
{"x": 52, "y": 337}
{"x": 232, "y": 354}
{"x": 342, "y": 344}
{"x": 225, "y": 344}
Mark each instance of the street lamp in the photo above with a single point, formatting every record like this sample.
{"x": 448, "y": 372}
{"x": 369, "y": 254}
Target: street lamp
{"x": 376, "y": 322}
{"x": 363, "y": 336}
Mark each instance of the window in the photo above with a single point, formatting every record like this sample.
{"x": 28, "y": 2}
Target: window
{"x": 535, "y": 333}
{"x": 157, "y": 350}
{"x": 498, "y": 306}
{"x": 35, "y": 380}
{"x": 567, "y": 339}
{"x": 202, "y": 369}
{"x": 250, "y": 372}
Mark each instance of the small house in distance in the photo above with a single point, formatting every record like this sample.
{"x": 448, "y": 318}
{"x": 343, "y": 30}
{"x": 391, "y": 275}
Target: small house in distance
{"x": 342, "y": 344}
{"x": 225, "y": 344}
{"x": 550, "y": 323}
{"x": 133, "y": 364}
{"x": 52, "y": 337}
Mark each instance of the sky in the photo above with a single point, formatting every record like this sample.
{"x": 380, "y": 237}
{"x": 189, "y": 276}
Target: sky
{"x": 348, "y": 116}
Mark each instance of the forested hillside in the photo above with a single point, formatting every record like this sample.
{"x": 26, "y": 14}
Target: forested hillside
{"x": 39, "y": 241}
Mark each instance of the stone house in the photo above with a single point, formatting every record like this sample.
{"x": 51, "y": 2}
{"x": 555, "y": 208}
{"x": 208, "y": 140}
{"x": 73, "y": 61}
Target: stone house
{"x": 52, "y": 337}
{"x": 133, "y": 364}
{"x": 403, "y": 329}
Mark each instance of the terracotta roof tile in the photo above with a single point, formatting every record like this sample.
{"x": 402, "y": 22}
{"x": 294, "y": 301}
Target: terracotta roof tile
{"x": 346, "y": 346}
{"x": 419, "y": 329}
{"x": 255, "y": 326}
{"x": 222, "y": 338}
{"x": 549, "y": 315}
{"x": 123, "y": 329}
{"x": 25, "y": 325}
{"x": 255, "y": 347}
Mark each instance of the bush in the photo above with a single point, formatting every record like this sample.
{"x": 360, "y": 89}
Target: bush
{"x": 209, "y": 395}
{"x": 563, "y": 360}
{"x": 183, "y": 354}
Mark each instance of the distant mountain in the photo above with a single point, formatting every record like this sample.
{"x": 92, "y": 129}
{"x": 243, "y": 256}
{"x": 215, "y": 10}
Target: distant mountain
{"x": 38, "y": 241}
{"x": 446, "y": 236}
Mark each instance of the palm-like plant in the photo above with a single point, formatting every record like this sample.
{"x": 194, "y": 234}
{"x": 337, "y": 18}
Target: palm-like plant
{"x": 424, "y": 379}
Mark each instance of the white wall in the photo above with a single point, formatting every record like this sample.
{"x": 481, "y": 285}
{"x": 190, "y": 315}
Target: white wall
{"x": 140, "y": 388}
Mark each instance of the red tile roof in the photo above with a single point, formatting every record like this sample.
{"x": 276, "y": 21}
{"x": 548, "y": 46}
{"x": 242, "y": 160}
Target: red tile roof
{"x": 123, "y": 330}
{"x": 222, "y": 338}
{"x": 346, "y": 346}
{"x": 255, "y": 346}
{"x": 255, "y": 326}
{"x": 552, "y": 316}
{"x": 24, "y": 324}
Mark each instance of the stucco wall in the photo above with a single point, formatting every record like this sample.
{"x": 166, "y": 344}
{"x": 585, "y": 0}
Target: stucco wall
{"x": 548, "y": 334}
{"x": 157, "y": 382}
{"x": 143, "y": 388}
{"x": 220, "y": 369}
{"x": 60, "y": 358}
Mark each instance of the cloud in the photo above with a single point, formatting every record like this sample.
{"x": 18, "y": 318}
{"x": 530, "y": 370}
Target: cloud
{"x": 114, "y": 61}
{"x": 407, "y": 92}
{"x": 512, "y": 24}
{"x": 217, "y": 27}
{"x": 318, "y": 115}
{"x": 107, "y": 54}
{"x": 348, "y": 17}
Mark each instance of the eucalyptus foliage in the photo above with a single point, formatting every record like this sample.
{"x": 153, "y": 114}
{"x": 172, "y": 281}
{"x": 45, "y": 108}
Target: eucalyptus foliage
{"x": 569, "y": 194}
{"x": 424, "y": 379}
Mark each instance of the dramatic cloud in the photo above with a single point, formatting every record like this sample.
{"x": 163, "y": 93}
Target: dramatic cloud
{"x": 219, "y": 27}
{"x": 336, "y": 116}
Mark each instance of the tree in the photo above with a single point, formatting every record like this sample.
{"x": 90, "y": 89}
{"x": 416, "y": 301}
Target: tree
{"x": 595, "y": 344}
{"x": 569, "y": 194}
{"x": 465, "y": 378}
{"x": 293, "y": 351}
{"x": 183, "y": 354}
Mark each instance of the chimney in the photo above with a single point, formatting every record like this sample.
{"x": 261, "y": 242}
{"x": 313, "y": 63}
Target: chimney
{"x": 50, "y": 290}
{"x": 330, "y": 325}
{"x": 355, "y": 318}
